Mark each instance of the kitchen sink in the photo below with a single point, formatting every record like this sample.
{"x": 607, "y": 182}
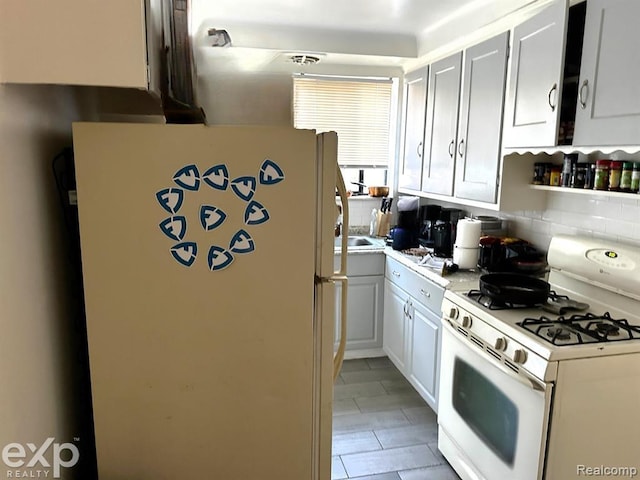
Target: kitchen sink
{"x": 360, "y": 241}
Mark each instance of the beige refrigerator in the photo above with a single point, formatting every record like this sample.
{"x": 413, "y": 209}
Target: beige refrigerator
{"x": 208, "y": 267}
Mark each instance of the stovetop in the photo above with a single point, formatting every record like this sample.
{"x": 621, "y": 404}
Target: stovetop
{"x": 600, "y": 308}
{"x": 555, "y": 303}
{"x": 581, "y": 328}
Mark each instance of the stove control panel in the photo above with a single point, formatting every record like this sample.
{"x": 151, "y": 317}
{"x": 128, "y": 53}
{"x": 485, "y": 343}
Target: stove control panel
{"x": 503, "y": 348}
{"x": 610, "y": 265}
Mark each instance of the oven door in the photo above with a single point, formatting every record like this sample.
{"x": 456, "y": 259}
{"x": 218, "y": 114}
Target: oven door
{"x": 492, "y": 420}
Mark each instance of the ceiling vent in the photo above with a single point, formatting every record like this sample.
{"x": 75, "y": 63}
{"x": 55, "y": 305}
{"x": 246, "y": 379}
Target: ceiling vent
{"x": 305, "y": 59}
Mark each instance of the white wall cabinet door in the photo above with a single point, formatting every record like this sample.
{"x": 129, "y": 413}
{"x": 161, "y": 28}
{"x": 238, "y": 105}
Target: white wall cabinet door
{"x": 364, "y": 312}
{"x": 80, "y": 42}
{"x": 608, "y": 110}
{"x": 415, "y": 97}
{"x": 442, "y": 122}
{"x": 535, "y": 82}
{"x": 480, "y": 124}
{"x": 424, "y": 352}
{"x": 396, "y": 310}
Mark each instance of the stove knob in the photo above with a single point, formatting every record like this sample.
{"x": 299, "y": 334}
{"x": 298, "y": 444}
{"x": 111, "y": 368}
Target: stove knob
{"x": 520, "y": 356}
{"x": 453, "y": 313}
{"x": 466, "y": 321}
{"x": 501, "y": 344}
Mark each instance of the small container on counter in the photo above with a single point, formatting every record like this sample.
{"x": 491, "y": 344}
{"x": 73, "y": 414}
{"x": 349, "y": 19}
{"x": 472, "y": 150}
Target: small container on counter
{"x": 590, "y": 175}
{"x": 556, "y": 174}
{"x": 579, "y": 174}
{"x": 615, "y": 173}
{"x": 635, "y": 178}
{"x": 601, "y": 181}
{"x": 570, "y": 159}
{"x": 625, "y": 178}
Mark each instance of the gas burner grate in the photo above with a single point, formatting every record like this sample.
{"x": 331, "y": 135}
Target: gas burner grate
{"x": 492, "y": 304}
{"x": 581, "y": 328}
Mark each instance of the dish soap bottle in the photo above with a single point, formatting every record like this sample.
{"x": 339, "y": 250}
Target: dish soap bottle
{"x": 373, "y": 226}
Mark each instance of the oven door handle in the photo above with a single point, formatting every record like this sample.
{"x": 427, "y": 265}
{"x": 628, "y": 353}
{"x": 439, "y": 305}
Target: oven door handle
{"x": 522, "y": 377}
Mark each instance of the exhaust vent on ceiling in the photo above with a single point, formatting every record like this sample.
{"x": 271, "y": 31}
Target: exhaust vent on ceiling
{"x": 305, "y": 59}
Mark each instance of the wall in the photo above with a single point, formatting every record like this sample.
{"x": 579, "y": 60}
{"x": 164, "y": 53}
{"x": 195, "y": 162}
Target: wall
{"x": 40, "y": 352}
{"x": 246, "y": 98}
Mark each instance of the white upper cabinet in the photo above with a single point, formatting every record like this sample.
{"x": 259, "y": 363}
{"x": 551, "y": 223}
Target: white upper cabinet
{"x": 608, "y": 110}
{"x": 81, "y": 42}
{"x": 536, "y": 80}
{"x": 480, "y": 124}
{"x": 415, "y": 85}
{"x": 443, "y": 100}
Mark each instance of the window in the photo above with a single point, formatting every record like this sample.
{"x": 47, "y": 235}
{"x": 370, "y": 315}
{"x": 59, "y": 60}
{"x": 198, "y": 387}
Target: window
{"x": 359, "y": 109}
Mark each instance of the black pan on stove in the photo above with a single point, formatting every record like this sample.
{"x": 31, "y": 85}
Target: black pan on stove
{"x": 514, "y": 288}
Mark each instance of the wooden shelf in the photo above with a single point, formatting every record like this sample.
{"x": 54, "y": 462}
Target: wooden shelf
{"x": 582, "y": 191}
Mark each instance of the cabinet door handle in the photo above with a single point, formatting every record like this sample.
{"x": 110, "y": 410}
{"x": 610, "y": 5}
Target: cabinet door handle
{"x": 553, "y": 89}
{"x": 452, "y": 147}
{"x": 406, "y": 308}
{"x": 419, "y": 150}
{"x": 395, "y": 274}
{"x": 425, "y": 293}
{"x": 461, "y": 148}
{"x": 583, "y": 98}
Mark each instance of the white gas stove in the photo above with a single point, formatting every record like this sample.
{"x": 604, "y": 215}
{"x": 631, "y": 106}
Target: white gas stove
{"x": 522, "y": 388}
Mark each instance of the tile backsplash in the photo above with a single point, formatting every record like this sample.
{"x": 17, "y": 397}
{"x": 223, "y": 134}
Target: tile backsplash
{"x": 360, "y": 212}
{"x": 613, "y": 218}
{"x": 595, "y": 216}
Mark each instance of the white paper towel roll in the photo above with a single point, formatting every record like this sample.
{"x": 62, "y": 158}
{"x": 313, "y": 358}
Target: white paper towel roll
{"x": 468, "y": 233}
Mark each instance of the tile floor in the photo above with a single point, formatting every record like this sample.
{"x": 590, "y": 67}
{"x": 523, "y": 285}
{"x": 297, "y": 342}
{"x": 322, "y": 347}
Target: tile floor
{"x": 382, "y": 429}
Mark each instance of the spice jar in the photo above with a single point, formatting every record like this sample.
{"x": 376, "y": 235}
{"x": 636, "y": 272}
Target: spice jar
{"x": 554, "y": 177}
{"x": 590, "y": 176}
{"x": 546, "y": 179}
{"x": 625, "y": 178}
{"x": 615, "y": 173}
{"x": 578, "y": 175}
{"x": 601, "y": 181}
{"x": 538, "y": 173}
{"x": 569, "y": 161}
{"x": 635, "y": 178}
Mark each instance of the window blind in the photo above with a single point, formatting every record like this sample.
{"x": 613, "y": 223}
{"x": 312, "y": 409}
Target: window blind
{"x": 359, "y": 110}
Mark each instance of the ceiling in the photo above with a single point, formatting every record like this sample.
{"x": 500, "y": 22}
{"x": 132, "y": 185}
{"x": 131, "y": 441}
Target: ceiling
{"x": 382, "y": 34}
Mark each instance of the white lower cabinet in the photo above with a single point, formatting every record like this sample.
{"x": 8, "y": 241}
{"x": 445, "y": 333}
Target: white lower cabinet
{"x": 412, "y": 328}
{"x": 396, "y": 305}
{"x": 424, "y": 352}
{"x": 364, "y": 304}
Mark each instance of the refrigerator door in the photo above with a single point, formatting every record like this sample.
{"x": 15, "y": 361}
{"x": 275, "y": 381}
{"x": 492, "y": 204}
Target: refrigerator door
{"x": 328, "y": 172}
{"x": 329, "y": 180}
{"x": 205, "y": 344}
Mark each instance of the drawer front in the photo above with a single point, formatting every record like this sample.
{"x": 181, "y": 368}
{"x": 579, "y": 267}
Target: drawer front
{"x": 421, "y": 289}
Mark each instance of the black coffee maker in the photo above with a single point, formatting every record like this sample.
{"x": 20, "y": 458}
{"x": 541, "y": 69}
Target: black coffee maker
{"x": 444, "y": 231}
{"x": 429, "y": 215}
